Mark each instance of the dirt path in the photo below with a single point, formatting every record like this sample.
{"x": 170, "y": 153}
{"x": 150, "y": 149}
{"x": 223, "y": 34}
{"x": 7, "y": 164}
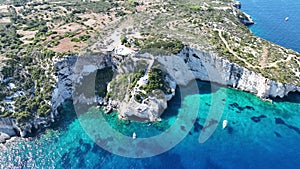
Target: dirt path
{"x": 232, "y": 52}
{"x": 264, "y": 55}
{"x": 274, "y": 64}
{"x": 263, "y": 63}
{"x": 113, "y": 39}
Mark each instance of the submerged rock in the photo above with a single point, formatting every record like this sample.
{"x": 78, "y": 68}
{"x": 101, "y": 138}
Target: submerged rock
{"x": 277, "y": 134}
{"x": 257, "y": 119}
{"x": 279, "y": 121}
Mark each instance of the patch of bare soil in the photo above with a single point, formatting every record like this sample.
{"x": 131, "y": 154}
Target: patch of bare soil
{"x": 3, "y": 58}
{"x": 3, "y": 8}
{"x": 263, "y": 61}
{"x": 5, "y": 20}
{"x": 27, "y": 35}
{"x": 66, "y": 45}
{"x": 72, "y": 27}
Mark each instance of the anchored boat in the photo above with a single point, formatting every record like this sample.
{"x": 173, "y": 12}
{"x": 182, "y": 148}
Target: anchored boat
{"x": 134, "y": 135}
{"x": 225, "y": 122}
{"x": 286, "y": 19}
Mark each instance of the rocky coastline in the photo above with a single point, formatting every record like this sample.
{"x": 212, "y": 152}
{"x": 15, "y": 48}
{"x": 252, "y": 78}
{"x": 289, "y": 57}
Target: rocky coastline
{"x": 243, "y": 17}
{"x": 210, "y": 67}
{"x": 203, "y": 65}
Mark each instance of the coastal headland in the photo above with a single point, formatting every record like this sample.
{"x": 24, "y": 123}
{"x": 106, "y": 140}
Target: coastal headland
{"x": 142, "y": 52}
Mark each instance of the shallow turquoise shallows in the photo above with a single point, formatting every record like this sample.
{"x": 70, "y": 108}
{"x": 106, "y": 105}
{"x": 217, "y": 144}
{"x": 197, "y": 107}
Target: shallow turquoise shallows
{"x": 258, "y": 135}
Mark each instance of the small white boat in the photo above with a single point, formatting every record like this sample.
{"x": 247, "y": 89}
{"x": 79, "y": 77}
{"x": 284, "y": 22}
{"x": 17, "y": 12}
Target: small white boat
{"x": 134, "y": 135}
{"x": 225, "y": 122}
{"x": 286, "y": 19}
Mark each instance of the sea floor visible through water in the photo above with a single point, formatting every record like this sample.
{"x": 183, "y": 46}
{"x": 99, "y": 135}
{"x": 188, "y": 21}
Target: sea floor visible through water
{"x": 259, "y": 135}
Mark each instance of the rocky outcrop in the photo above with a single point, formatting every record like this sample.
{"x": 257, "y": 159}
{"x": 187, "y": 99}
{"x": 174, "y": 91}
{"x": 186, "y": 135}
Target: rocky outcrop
{"x": 209, "y": 67}
{"x": 237, "y": 4}
{"x": 149, "y": 110}
{"x": 243, "y": 17}
{"x": 188, "y": 65}
{"x": 138, "y": 103}
{"x": 7, "y": 129}
{"x": 71, "y": 72}
{"x": 64, "y": 83}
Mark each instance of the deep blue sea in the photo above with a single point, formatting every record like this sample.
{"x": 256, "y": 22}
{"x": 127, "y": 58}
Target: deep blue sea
{"x": 269, "y": 17}
{"x": 259, "y": 135}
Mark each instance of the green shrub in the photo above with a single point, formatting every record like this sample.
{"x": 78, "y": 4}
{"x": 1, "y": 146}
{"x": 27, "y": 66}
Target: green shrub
{"x": 138, "y": 98}
{"x": 44, "y": 110}
{"x": 84, "y": 37}
{"x": 75, "y": 40}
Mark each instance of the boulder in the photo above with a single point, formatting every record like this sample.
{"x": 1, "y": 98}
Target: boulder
{"x": 7, "y": 127}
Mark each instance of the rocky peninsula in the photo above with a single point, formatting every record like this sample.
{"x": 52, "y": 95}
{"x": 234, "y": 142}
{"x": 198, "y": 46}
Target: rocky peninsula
{"x": 136, "y": 63}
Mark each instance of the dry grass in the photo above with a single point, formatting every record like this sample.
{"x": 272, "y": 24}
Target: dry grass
{"x": 66, "y": 45}
{"x": 3, "y": 9}
{"x": 3, "y": 58}
{"x": 27, "y": 35}
{"x": 97, "y": 21}
{"x": 72, "y": 27}
{"x": 5, "y": 20}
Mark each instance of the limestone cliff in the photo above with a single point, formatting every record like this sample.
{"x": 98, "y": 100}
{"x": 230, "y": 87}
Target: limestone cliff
{"x": 209, "y": 67}
{"x": 202, "y": 65}
{"x": 188, "y": 65}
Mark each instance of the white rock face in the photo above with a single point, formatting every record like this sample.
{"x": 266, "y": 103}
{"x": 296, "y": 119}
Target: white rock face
{"x": 7, "y": 129}
{"x": 71, "y": 72}
{"x": 210, "y": 67}
{"x": 188, "y": 65}
{"x": 142, "y": 111}
{"x": 7, "y": 126}
{"x": 177, "y": 69}
{"x": 64, "y": 84}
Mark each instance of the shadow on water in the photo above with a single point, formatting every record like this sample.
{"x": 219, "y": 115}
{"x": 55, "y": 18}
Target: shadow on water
{"x": 66, "y": 116}
{"x": 175, "y": 103}
{"x": 293, "y": 97}
{"x": 66, "y": 110}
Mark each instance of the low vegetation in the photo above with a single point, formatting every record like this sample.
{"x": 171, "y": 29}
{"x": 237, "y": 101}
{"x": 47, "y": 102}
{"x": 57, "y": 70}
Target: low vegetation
{"x": 157, "y": 81}
{"x": 160, "y": 45}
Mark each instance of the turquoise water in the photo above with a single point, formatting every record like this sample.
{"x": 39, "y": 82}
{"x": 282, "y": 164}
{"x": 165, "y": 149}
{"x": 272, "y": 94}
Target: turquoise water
{"x": 269, "y": 17}
{"x": 259, "y": 135}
